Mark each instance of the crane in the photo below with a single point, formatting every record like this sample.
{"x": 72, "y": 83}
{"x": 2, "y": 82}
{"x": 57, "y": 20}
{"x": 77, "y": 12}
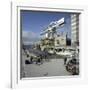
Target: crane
{"x": 50, "y": 31}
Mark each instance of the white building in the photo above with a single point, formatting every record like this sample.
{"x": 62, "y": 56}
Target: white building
{"x": 75, "y": 29}
{"x": 60, "y": 40}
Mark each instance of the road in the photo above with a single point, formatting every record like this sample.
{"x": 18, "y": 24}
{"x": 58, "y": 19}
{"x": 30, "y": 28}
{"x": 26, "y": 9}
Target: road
{"x": 53, "y": 67}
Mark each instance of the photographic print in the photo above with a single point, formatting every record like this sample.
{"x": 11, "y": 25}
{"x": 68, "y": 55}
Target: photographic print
{"x": 49, "y": 43}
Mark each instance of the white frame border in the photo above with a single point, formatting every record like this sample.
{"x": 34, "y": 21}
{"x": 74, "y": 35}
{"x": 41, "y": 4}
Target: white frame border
{"x": 15, "y": 62}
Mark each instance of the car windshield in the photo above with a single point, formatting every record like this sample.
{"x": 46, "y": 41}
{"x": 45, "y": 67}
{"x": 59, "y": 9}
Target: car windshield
{"x": 74, "y": 61}
{"x": 58, "y": 50}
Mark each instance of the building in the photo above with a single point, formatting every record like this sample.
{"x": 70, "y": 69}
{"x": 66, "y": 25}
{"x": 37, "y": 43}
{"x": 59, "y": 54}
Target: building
{"x": 60, "y": 40}
{"x": 75, "y": 29}
{"x": 46, "y": 43}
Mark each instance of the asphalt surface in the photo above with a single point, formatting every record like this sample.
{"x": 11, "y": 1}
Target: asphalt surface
{"x": 52, "y": 66}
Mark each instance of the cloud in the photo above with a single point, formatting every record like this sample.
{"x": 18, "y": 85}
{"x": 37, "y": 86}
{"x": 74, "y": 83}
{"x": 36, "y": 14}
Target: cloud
{"x": 29, "y": 37}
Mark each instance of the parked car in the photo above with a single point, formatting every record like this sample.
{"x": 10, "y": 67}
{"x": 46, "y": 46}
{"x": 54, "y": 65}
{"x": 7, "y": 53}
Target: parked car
{"x": 72, "y": 66}
{"x": 63, "y": 52}
{"x": 51, "y": 51}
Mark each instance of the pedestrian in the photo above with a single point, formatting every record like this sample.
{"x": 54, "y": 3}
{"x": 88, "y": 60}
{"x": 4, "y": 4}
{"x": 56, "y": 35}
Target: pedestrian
{"x": 65, "y": 60}
{"x": 27, "y": 55}
{"x": 38, "y": 60}
{"x": 31, "y": 59}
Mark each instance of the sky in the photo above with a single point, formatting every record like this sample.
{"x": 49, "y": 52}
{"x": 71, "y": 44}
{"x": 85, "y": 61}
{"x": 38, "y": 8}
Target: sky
{"x": 34, "y": 22}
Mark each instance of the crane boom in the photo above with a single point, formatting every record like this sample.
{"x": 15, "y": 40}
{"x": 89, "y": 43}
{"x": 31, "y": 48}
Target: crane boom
{"x": 53, "y": 26}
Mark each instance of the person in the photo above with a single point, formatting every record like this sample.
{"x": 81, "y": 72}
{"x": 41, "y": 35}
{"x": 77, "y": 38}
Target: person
{"x": 65, "y": 59}
{"x": 38, "y": 60}
{"x": 27, "y": 62}
{"x": 27, "y": 55}
{"x": 31, "y": 59}
{"x": 41, "y": 57}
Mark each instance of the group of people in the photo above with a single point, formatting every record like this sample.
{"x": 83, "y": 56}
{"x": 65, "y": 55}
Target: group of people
{"x": 32, "y": 59}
